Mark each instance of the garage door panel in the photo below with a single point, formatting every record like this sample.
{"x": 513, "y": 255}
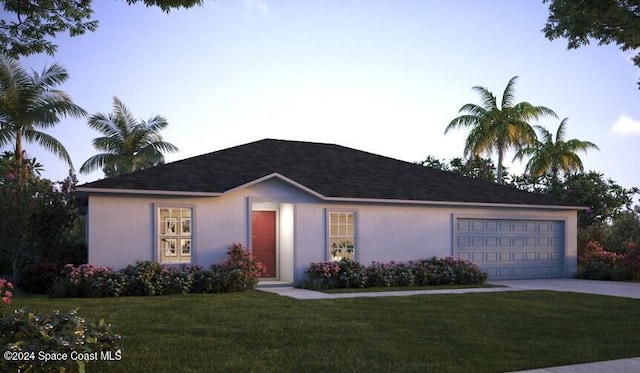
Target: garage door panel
{"x": 512, "y": 248}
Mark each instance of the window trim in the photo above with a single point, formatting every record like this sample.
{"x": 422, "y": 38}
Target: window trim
{"x": 356, "y": 235}
{"x": 157, "y": 256}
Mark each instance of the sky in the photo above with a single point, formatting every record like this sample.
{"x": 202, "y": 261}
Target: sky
{"x": 380, "y": 76}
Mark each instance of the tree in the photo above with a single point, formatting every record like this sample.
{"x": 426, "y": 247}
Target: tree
{"x": 127, "y": 145}
{"x": 476, "y": 167}
{"x": 551, "y": 157}
{"x": 29, "y": 104}
{"x": 40, "y": 218}
{"x": 496, "y": 127}
{"x": 608, "y": 21}
{"x": 35, "y": 21}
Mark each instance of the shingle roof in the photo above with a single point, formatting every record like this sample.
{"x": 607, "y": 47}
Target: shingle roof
{"x": 332, "y": 171}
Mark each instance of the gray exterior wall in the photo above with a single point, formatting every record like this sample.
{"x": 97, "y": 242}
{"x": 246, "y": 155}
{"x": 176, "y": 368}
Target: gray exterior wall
{"x": 121, "y": 227}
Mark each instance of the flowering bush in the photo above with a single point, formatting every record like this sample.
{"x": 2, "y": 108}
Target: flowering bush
{"x": 435, "y": 271}
{"x": 39, "y": 275}
{"x": 177, "y": 280}
{"x": 240, "y": 271}
{"x": 323, "y": 275}
{"x": 143, "y": 278}
{"x": 596, "y": 263}
{"x": 32, "y": 336}
{"x": 4, "y": 293}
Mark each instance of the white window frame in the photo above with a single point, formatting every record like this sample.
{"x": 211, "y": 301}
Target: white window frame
{"x": 174, "y": 234}
{"x": 333, "y": 251}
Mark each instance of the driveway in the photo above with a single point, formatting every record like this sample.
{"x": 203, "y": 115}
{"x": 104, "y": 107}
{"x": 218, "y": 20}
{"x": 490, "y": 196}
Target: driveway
{"x": 612, "y": 288}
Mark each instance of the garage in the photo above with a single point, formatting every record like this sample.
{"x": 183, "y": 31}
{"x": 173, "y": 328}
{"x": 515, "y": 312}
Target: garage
{"x": 511, "y": 249}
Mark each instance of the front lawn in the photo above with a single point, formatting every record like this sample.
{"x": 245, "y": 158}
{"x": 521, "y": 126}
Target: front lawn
{"x": 255, "y": 331}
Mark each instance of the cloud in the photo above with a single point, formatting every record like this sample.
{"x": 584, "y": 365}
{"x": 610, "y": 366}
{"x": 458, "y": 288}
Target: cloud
{"x": 626, "y": 125}
{"x": 257, "y": 5}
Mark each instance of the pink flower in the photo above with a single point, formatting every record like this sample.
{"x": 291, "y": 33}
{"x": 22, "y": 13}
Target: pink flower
{"x": 11, "y": 175}
{"x": 6, "y": 300}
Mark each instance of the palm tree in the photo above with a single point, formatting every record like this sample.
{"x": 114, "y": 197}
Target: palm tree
{"x": 551, "y": 157}
{"x": 127, "y": 145}
{"x": 30, "y": 103}
{"x": 496, "y": 127}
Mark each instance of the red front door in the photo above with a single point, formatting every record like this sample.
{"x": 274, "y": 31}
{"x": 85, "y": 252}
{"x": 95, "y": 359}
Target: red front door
{"x": 263, "y": 233}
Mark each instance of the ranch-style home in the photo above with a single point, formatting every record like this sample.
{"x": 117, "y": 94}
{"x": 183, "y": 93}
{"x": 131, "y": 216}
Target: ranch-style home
{"x": 292, "y": 203}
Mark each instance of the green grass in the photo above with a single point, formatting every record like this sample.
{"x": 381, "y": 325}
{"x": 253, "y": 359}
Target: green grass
{"x": 242, "y": 332}
{"x": 406, "y": 288}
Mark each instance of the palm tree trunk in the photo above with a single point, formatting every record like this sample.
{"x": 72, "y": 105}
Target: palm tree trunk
{"x": 499, "y": 179}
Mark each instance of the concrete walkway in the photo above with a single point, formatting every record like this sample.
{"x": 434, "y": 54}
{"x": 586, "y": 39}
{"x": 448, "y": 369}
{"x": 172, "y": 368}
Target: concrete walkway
{"x": 610, "y": 288}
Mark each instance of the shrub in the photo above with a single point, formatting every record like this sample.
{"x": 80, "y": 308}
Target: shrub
{"x": 435, "y": 271}
{"x": 631, "y": 259}
{"x": 87, "y": 280}
{"x": 5, "y": 292}
{"x": 208, "y": 280}
{"x": 38, "y": 275}
{"x": 143, "y": 278}
{"x": 322, "y": 275}
{"x": 240, "y": 270}
{"x": 177, "y": 280}
{"x": 378, "y": 275}
{"x": 351, "y": 274}
{"x": 599, "y": 264}
{"x": 34, "y": 335}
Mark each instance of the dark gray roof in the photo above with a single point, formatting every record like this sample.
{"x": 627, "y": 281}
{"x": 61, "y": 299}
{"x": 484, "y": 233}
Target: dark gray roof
{"x": 331, "y": 171}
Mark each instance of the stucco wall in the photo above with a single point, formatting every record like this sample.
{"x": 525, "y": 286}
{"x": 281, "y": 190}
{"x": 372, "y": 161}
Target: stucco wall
{"x": 121, "y": 228}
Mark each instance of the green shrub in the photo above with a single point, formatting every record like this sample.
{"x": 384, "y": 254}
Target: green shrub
{"x": 435, "y": 271}
{"x": 38, "y": 275}
{"x": 240, "y": 270}
{"x": 143, "y": 278}
{"x": 87, "y": 280}
{"x": 598, "y": 264}
{"x": 66, "y": 336}
{"x": 207, "y": 280}
{"x": 177, "y": 280}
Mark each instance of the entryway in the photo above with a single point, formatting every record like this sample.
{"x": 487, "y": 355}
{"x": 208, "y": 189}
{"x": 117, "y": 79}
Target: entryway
{"x": 263, "y": 240}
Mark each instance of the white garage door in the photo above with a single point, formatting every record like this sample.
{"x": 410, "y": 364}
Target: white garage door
{"x": 511, "y": 249}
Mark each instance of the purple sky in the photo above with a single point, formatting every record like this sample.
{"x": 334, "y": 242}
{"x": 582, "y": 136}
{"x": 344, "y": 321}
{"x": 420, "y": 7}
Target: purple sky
{"x": 380, "y": 76}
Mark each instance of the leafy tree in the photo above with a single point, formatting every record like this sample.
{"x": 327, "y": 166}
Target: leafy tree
{"x": 33, "y": 22}
{"x": 30, "y": 103}
{"x": 608, "y": 21}
{"x": 476, "y": 167}
{"x": 551, "y": 157}
{"x": 625, "y": 228}
{"x": 39, "y": 217}
{"x": 127, "y": 145}
{"x": 498, "y": 127}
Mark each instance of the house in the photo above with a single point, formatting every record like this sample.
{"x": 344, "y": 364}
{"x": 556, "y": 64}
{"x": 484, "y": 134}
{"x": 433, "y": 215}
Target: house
{"x": 292, "y": 203}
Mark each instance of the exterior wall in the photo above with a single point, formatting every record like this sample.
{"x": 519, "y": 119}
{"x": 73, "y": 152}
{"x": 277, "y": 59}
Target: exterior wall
{"x": 122, "y": 228}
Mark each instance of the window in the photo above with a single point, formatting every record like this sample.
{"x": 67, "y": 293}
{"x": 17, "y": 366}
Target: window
{"x": 174, "y": 238}
{"x": 342, "y": 235}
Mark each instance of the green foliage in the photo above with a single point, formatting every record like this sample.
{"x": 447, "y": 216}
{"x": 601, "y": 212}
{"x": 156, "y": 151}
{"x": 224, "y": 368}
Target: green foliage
{"x": 127, "y": 144}
{"x": 476, "y": 167}
{"x": 498, "y": 126}
{"x": 67, "y": 336}
{"x": 434, "y": 271}
{"x": 143, "y": 278}
{"x": 38, "y": 276}
{"x": 27, "y": 25}
{"x": 604, "y": 198}
{"x": 623, "y": 229}
{"x": 607, "y": 21}
{"x": 29, "y": 103}
{"x": 596, "y": 263}
{"x": 50, "y": 212}
{"x": 240, "y": 270}
{"x": 549, "y": 157}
